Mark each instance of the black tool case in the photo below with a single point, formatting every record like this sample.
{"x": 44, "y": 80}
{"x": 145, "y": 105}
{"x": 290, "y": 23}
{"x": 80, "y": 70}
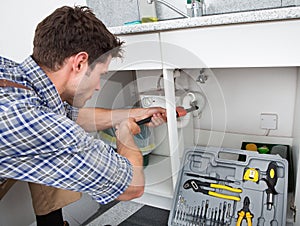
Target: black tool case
{"x": 219, "y": 186}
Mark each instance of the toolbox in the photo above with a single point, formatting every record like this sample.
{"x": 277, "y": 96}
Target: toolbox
{"x": 221, "y": 186}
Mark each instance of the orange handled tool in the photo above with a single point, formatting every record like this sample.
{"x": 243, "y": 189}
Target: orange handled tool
{"x": 180, "y": 111}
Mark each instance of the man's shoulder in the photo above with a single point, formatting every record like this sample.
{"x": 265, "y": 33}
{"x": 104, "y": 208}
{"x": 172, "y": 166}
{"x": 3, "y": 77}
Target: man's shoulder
{"x": 4, "y": 62}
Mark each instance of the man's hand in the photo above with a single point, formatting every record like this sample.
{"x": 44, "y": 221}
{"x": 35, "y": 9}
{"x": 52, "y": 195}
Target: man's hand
{"x": 157, "y": 114}
{"x": 128, "y": 126}
{"x": 157, "y": 120}
{"x": 127, "y": 148}
{"x": 95, "y": 119}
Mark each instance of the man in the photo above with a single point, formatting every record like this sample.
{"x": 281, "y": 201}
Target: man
{"x": 43, "y": 125}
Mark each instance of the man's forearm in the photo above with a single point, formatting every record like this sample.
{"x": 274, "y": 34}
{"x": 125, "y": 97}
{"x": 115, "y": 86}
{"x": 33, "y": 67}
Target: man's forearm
{"x": 127, "y": 148}
{"x": 95, "y": 119}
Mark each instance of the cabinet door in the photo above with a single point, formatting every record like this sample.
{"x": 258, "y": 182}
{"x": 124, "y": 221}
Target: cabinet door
{"x": 141, "y": 52}
{"x": 247, "y": 45}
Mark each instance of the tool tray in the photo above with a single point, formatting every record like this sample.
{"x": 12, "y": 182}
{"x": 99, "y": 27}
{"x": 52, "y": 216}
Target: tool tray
{"x": 220, "y": 186}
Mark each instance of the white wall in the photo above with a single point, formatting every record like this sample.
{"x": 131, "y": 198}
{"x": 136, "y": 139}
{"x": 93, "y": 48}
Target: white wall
{"x": 296, "y": 148}
{"x": 18, "y": 20}
{"x": 237, "y": 97}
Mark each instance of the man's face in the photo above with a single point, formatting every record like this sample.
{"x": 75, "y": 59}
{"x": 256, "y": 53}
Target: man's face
{"x": 89, "y": 82}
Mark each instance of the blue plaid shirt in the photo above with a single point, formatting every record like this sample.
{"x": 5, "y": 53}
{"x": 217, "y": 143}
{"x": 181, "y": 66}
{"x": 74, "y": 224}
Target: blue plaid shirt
{"x": 41, "y": 143}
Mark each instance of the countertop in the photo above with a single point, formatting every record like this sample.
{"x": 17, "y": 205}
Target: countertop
{"x": 214, "y": 20}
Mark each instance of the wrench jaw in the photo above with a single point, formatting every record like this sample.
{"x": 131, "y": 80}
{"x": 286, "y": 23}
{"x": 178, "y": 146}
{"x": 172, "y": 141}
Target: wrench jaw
{"x": 192, "y": 184}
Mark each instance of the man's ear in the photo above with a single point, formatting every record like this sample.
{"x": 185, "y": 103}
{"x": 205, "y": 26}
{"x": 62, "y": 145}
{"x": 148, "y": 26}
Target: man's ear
{"x": 80, "y": 60}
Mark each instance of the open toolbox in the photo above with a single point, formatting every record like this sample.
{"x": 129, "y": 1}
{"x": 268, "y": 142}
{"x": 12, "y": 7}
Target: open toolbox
{"x": 220, "y": 186}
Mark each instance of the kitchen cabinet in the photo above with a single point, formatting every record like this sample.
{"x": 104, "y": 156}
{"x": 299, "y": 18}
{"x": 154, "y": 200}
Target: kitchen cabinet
{"x": 142, "y": 52}
{"x": 271, "y": 45}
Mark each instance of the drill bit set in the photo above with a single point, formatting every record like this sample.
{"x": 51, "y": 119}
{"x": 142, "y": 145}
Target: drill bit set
{"x": 242, "y": 188}
{"x": 202, "y": 214}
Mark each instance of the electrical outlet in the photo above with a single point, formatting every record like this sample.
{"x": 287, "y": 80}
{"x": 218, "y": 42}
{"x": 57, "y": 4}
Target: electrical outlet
{"x": 268, "y": 121}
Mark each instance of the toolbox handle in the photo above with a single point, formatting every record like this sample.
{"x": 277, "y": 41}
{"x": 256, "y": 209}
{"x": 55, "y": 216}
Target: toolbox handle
{"x": 228, "y": 155}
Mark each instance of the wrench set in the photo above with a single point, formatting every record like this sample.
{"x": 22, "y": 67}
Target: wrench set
{"x": 226, "y": 187}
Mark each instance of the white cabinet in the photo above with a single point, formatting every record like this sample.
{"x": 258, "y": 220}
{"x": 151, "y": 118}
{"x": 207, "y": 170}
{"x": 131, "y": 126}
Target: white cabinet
{"x": 161, "y": 172}
{"x": 141, "y": 52}
{"x": 240, "y": 46}
{"x": 270, "y": 44}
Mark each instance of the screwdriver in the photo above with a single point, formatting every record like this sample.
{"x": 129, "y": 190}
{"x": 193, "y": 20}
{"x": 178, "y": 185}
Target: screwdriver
{"x": 271, "y": 181}
{"x": 180, "y": 111}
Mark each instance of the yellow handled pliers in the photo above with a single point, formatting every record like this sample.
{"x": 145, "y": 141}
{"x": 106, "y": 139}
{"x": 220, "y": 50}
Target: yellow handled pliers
{"x": 198, "y": 185}
{"x": 245, "y": 213}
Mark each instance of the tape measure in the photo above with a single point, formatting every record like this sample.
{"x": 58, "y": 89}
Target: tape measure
{"x": 251, "y": 174}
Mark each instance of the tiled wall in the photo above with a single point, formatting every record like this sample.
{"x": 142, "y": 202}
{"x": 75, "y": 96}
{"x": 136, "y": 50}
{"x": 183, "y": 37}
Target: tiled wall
{"x": 116, "y": 13}
{"x": 217, "y": 6}
{"x": 211, "y": 7}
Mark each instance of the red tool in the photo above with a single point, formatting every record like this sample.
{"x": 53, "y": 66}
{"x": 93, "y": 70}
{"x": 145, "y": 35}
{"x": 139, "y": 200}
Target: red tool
{"x": 180, "y": 111}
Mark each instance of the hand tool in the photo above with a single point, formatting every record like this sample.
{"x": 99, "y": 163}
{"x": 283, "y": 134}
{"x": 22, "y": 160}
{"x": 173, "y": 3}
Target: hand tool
{"x": 178, "y": 206}
{"x": 223, "y": 213}
{"x": 180, "y": 111}
{"x": 220, "y": 212}
{"x": 189, "y": 214}
{"x": 212, "y": 216}
{"x": 208, "y": 215}
{"x": 251, "y": 174}
{"x": 245, "y": 213}
{"x": 195, "y": 214}
{"x": 216, "y": 215}
{"x": 202, "y": 207}
{"x": 206, "y": 208}
{"x": 228, "y": 210}
{"x": 271, "y": 181}
{"x": 184, "y": 212}
{"x": 197, "y": 185}
{"x": 205, "y": 212}
{"x": 198, "y": 214}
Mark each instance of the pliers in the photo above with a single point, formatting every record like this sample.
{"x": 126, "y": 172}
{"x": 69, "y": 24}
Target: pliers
{"x": 245, "y": 213}
{"x": 198, "y": 185}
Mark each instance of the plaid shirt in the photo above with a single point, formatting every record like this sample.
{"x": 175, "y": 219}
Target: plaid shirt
{"x": 41, "y": 143}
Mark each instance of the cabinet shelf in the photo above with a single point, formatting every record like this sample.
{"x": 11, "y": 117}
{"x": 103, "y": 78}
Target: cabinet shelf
{"x": 158, "y": 176}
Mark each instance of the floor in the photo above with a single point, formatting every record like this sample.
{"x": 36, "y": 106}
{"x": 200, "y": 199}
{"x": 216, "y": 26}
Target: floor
{"x": 128, "y": 214}
{"x": 147, "y": 216}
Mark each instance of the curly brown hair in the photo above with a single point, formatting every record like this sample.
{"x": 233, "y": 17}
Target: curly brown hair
{"x": 68, "y": 31}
